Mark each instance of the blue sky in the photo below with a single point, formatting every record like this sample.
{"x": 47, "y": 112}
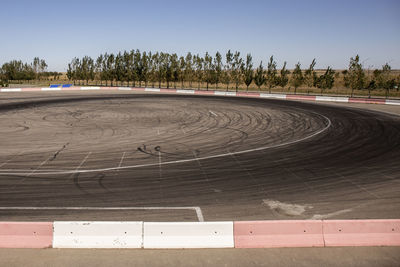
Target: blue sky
{"x": 330, "y": 31}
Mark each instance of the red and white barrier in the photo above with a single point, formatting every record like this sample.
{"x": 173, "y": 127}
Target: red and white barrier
{"x": 219, "y": 93}
{"x": 238, "y": 234}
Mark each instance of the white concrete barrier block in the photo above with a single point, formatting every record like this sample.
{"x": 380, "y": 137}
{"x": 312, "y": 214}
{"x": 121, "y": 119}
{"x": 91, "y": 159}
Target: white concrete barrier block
{"x": 152, "y": 89}
{"x": 332, "y": 99}
{"x": 392, "y": 102}
{"x": 224, "y": 93}
{"x": 182, "y": 91}
{"x": 219, "y": 93}
{"x": 51, "y": 89}
{"x": 90, "y": 88}
{"x": 10, "y": 90}
{"x": 98, "y": 235}
{"x": 230, "y": 93}
{"x": 279, "y": 96}
{"x": 124, "y": 88}
{"x": 188, "y": 235}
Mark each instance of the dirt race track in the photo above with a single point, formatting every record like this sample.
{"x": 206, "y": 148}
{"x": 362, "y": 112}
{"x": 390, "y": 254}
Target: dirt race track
{"x": 130, "y": 156}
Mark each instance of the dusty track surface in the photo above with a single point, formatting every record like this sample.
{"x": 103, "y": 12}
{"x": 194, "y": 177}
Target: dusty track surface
{"x": 235, "y": 158}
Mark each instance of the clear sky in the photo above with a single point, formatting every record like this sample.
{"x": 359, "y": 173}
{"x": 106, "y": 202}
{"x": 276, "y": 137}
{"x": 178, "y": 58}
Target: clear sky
{"x": 330, "y": 30}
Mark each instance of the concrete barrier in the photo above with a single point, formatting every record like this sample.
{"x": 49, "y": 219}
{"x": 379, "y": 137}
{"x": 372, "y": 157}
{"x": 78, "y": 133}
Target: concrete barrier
{"x": 362, "y": 232}
{"x": 301, "y": 97}
{"x": 30, "y": 89}
{"x": 51, "y": 89}
{"x": 90, "y": 88}
{"x": 152, "y": 89}
{"x": 201, "y": 92}
{"x": 26, "y": 234}
{"x": 10, "y": 90}
{"x": 72, "y": 88}
{"x": 179, "y": 91}
{"x": 248, "y": 94}
{"x": 221, "y": 93}
{"x": 98, "y": 234}
{"x": 188, "y": 235}
{"x": 279, "y": 96}
{"x": 332, "y": 99}
{"x": 224, "y": 93}
{"x": 367, "y": 100}
{"x": 269, "y": 234}
{"x": 392, "y": 102}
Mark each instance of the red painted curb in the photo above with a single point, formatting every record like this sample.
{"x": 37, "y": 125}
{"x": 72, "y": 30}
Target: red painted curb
{"x": 30, "y": 89}
{"x": 248, "y": 94}
{"x": 26, "y": 234}
{"x": 164, "y": 90}
{"x": 269, "y": 234}
{"x": 362, "y": 232}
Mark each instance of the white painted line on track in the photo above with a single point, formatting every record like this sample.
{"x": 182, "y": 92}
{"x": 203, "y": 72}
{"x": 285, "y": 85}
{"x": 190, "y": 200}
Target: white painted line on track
{"x": 198, "y": 211}
{"x": 213, "y": 113}
{"x": 159, "y": 164}
{"x": 122, "y": 159}
{"x": 83, "y": 161}
{"x": 54, "y": 172}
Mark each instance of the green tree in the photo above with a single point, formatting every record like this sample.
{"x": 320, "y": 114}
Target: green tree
{"x": 259, "y": 77}
{"x": 226, "y": 74}
{"x": 188, "y": 69}
{"x": 326, "y": 80}
{"x": 182, "y": 67}
{"x": 168, "y": 69}
{"x": 248, "y": 73}
{"x": 356, "y": 75}
{"x": 217, "y": 68}
{"x": 199, "y": 70}
{"x": 310, "y": 76}
{"x": 384, "y": 79}
{"x": 271, "y": 74}
{"x": 175, "y": 68}
{"x": 237, "y": 66}
{"x": 372, "y": 84}
{"x": 144, "y": 67}
{"x": 297, "y": 78}
{"x": 283, "y": 79}
{"x": 208, "y": 69}
{"x": 98, "y": 68}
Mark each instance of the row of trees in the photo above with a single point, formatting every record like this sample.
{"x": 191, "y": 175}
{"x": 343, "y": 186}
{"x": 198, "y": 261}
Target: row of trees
{"x": 141, "y": 68}
{"x": 356, "y": 78}
{"x": 16, "y": 70}
{"x": 146, "y": 67}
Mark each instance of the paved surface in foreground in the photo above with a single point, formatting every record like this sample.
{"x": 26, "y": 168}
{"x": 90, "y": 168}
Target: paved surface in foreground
{"x": 321, "y": 161}
{"x": 367, "y": 256}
